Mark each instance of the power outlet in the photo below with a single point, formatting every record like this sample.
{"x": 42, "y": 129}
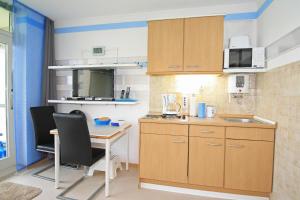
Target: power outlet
{"x": 185, "y": 106}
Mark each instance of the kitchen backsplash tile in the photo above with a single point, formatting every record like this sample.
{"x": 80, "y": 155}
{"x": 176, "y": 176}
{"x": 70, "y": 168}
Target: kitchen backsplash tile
{"x": 278, "y": 99}
{"x": 212, "y": 94}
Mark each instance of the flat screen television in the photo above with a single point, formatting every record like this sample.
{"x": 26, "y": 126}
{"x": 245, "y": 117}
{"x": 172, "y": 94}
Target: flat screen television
{"x": 93, "y": 83}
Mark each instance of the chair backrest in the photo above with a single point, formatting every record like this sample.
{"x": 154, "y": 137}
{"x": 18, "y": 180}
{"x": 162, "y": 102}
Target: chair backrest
{"x": 78, "y": 112}
{"x": 43, "y": 122}
{"x": 75, "y": 142}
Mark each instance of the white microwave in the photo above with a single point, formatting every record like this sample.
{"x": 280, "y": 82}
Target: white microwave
{"x": 244, "y": 58}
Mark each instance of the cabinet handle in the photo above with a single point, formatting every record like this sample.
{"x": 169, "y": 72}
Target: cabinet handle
{"x": 237, "y": 146}
{"x": 206, "y": 131}
{"x": 173, "y": 66}
{"x": 193, "y": 66}
{"x": 178, "y": 141}
{"x": 214, "y": 144}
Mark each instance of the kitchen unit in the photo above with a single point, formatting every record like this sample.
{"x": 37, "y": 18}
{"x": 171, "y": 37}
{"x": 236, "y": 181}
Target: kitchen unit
{"x": 218, "y": 154}
{"x": 185, "y": 46}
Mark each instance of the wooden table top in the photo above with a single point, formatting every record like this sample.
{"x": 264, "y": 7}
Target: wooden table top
{"x": 102, "y": 132}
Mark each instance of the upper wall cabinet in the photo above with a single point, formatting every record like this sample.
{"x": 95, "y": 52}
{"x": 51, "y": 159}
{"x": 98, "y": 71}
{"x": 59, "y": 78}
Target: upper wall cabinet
{"x": 179, "y": 46}
{"x": 203, "y": 44}
{"x": 165, "y": 46}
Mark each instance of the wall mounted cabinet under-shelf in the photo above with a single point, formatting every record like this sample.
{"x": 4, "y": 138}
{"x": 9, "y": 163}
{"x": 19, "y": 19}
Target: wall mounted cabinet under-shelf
{"x": 91, "y": 102}
{"x": 98, "y": 66}
{"x": 244, "y": 70}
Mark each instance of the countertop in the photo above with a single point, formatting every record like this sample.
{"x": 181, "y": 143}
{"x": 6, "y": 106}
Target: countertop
{"x": 216, "y": 121}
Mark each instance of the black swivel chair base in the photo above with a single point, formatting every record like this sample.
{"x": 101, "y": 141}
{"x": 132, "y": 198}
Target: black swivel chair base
{"x": 61, "y": 195}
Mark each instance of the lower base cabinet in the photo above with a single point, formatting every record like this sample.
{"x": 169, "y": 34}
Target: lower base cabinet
{"x": 164, "y": 157}
{"x": 249, "y": 165}
{"x": 206, "y": 161}
{"x": 228, "y": 159}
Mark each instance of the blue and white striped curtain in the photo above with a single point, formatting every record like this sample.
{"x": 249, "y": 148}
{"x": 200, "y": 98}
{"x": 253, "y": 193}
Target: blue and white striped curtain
{"x": 28, "y": 53}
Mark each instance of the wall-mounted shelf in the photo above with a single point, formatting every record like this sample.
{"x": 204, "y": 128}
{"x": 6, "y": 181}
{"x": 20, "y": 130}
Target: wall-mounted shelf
{"x": 98, "y": 66}
{"x": 244, "y": 70}
{"x": 91, "y": 102}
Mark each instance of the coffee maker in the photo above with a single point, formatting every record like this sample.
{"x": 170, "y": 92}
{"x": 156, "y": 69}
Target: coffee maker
{"x": 170, "y": 105}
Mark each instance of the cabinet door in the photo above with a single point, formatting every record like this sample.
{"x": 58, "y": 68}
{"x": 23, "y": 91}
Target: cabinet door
{"x": 206, "y": 161}
{"x": 164, "y": 157}
{"x": 165, "y": 46}
{"x": 203, "y": 44}
{"x": 249, "y": 165}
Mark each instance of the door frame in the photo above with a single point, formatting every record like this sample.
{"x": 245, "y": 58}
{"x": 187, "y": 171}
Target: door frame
{"x": 8, "y": 165}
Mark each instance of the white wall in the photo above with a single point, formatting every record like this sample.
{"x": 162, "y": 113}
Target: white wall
{"x": 163, "y": 14}
{"x": 280, "y": 18}
{"x": 132, "y": 44}
{"x": 126, "y": 42}
{"x": 240, "y": 27}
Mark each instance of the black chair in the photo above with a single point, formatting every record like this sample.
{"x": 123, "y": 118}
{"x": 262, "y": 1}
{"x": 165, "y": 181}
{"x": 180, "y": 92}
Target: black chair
{"x": 75, "y": 145}
{"x": 78, "y": 112}
{"x": 43, "y": 122}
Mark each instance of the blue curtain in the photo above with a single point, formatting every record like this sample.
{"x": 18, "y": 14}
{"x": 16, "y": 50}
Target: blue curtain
{"x": 28, "y": 51}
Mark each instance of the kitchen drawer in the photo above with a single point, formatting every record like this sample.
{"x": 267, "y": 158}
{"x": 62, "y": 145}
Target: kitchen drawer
{"x": 207, "y": 131}
{"x": 250, "y": 133}
{"x": 164, "y": 129}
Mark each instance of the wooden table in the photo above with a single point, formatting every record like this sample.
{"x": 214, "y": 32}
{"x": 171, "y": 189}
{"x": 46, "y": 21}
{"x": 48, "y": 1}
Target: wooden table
{"x": 100, "y": 135}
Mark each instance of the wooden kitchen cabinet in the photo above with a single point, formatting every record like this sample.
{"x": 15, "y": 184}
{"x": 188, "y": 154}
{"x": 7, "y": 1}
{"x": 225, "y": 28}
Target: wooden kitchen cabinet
{"x": 203, "y": 44}
{"x": 164, "y": 157}
{"x": 206, "y": 161}
{"x": 186, "y": 46}
{"x": 165, "y": 46}
{"x": 249, "y": 165}
{"x": 207, "y": 155}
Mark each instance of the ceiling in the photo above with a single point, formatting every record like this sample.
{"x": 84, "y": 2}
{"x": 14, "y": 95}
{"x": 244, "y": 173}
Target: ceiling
{"x": 72, "y": 9}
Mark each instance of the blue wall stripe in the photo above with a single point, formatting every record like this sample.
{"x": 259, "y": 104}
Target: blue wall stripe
{"x": 249, "y": 15}
{"x": 262, "y": 9}
{"x": 124, "y": 25}
{"x": 102, "y": 27}
{"x": 241, "y": 16}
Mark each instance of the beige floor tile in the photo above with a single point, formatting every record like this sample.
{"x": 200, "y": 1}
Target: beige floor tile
{"x": 124, "y": 187}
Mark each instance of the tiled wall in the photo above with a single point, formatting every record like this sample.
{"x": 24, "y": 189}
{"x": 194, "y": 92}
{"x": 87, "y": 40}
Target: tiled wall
{"x": 214, "y": 93}
{"x": 278, "y": 99}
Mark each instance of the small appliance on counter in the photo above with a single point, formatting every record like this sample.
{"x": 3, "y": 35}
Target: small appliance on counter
{"x": 210, "y": 111}
{"x": 201, "y": 110}
{"x": 170, "y": 105}
{"x": 193, "y": 106}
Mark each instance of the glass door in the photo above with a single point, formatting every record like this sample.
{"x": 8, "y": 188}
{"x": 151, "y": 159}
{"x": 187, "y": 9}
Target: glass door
{"x": 7, "y": 147}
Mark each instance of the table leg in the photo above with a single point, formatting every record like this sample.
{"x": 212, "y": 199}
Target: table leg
{"x": 127, "y": 149}
{"x": 107, "y": 162}
{"x": 57, "y": 160}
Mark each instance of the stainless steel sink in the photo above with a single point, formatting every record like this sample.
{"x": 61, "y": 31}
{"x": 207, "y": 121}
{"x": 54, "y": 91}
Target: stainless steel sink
{"x": 242, "y": 120}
